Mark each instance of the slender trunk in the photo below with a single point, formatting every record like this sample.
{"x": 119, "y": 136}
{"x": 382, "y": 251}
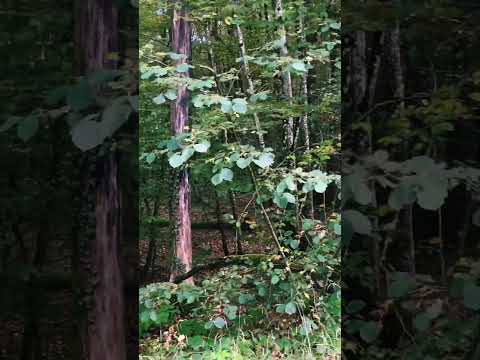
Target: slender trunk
{"x": 181, "y": 44}
{"x": 220, "y": 227}
{"x": 397, "y": 64}
{"x": 251, "y": 88}
{"x": 96, "y": 35}
{"x": 359, "y": 69}
{"x": 286, "y": 76}
{"x": 304, "y": 118}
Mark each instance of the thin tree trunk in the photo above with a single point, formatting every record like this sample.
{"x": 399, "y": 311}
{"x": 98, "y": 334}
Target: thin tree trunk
{"x": 181, "y": 44}
{"x": 359, "y": 68}
{"x": 251, "y": 88}
{"x": 304, "y": 118}
{"x": 286, "y": 76}
{"x": 220, "y": 227}
{"x": 96, "y": 35}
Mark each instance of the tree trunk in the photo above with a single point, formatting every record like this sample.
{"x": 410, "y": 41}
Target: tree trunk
{"x": 96, "y": 36}
{"x": 251, "y": 88}
{"x": 286, "y": 76}
{"x": 181, "y": 44}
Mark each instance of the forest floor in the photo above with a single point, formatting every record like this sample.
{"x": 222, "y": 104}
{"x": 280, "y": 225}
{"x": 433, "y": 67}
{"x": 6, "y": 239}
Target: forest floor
{"x": 269, "y": 336}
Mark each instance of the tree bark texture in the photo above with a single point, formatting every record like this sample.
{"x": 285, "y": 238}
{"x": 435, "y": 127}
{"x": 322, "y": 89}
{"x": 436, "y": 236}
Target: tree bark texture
{"x": 181, "y": 44}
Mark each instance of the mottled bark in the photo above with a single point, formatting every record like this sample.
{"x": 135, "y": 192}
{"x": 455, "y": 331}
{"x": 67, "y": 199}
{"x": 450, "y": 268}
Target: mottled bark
{"x": 286, "y": 76}
{"x": 358, "y": 68}
{"x": 107, "y": 337}
{"x": 251, "y": 88}
{"x": 181, "y": 44}
{"x": 96, "y": 37}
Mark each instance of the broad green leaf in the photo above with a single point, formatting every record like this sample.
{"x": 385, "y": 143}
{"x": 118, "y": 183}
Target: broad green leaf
{"x": 275, "y": 279}
{"x": 290, "y": 198}
{"x": 182, "y": 68}
{"x": 359, "y": 222}
{"x": 299, "y": 66}
{"x": 219, "y": 322}
{"x": 14, "y": 120}
{"x": 239, "y": 106}
{"x": 87, "y": 134}
{"x": 290, "y": 308}
{"x": 226, "y": 174}
{"x": 114, "y": 117}
{"x": 369, "y": 331}
{"x": 150, "y": 158}
{"x": 176, "y": 160}
{"x": 160, "y": 99}
{"x": 265, "y": 160}
{"x": 242, "y": 163}
{"x": 202, "y": 147}
{"x": 226, "y": 106}
{"x": 170, "y": 94}
{"x": 471, "y": 296}
{"x": 27, "y": 128}
{"x": 355, "y": 306}
{"x": 217, "y": 179}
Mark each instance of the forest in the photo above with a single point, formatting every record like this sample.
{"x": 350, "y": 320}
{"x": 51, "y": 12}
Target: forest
{"x": 239, "y": 179}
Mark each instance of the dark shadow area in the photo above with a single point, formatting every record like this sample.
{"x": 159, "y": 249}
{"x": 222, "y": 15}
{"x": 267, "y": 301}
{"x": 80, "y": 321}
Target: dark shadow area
{"x": 68, "y": 180}
{"x": 410, "y": 219}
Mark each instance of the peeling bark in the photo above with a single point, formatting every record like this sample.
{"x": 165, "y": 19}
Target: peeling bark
{"x": 181, "y": 44}
{"x": 286, "y": 76}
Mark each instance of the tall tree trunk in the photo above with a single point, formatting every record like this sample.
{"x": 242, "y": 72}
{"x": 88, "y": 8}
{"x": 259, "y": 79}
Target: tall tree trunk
{"x": 96, "y": 35}
{"x": 251, "y": 88}
{"x": 181, "y": 44}
{"x": 286, "y": 76}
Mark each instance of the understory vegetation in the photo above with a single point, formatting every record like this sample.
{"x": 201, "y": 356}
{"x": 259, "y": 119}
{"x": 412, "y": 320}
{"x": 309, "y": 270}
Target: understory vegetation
{"x": 239, "y": 195}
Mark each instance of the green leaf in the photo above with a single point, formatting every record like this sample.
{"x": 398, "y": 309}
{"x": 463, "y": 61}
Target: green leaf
{"x": 87, "y": 134}
{"x": 471, "y": 296}
{"x": 355, "y": 306}
{"x": 422, "y": 322}
{"x": 176, "y": 57}
{"x": 359, "y": 222}
{"x": 171, "y": 94}
{"x": 217, "y": 179}
{"x": 187, "y": 153}
{"x": 401, "y": 285}
{"x": 265, "y": 160}
{"x": 114, "y": 117}
{"x": 231, "y": 311}
{"x": 243, "y": 163}
{"x": 369, "y": 331}
{"x": 335, "y": 25}
{"x": 160, "y": 99}
{"x": 290, "y": 308}
{"x": 476, "y": 218}
{"x": 239, "y": 106}
{"x": 202, "y": 147}
{"x": 27, "y": 128}
{"x": 226, "y": 174}
{"x": 150, "y": 158}
{"x": 219, "y": 322}
{"x": 226, "y": 106}
{"x": 195, "y": 342}
{"x": 294, "y": 244}
{"x": 80, "y": 96}
{"x": 280, "y": 200}
{"x": 275, "y": 279}
{"x": 182, "y": 68}
{"x": 290, "y": 198}
{"x": 9, "y": 123}
{"x": 176, "y": 160}
{"x": 299, "y": 66}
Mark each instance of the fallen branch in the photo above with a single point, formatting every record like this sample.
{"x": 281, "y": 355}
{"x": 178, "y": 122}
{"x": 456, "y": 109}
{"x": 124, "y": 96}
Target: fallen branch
{"x": 225, "y": 261}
